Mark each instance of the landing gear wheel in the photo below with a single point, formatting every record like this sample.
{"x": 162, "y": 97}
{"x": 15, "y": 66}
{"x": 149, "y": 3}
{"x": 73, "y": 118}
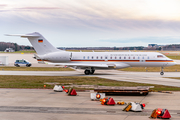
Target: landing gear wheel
{"x": 161, "y": 73}
{"x": 87, "y": 72}
{"x": 92, "y": 71}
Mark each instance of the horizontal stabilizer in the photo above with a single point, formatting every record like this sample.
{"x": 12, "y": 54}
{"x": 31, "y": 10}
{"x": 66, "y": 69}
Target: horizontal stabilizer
{"x": 22, "y": 35}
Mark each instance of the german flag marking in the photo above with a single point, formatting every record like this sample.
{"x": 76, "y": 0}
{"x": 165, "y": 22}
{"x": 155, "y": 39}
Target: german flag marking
{"x": 40, "y": 41}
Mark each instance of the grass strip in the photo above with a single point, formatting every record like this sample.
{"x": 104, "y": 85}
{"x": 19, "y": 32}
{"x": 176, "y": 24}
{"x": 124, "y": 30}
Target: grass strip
{"x": 37, "y": 82}
{"x": 174, "y": 57}
{"x": 7, "y": 68}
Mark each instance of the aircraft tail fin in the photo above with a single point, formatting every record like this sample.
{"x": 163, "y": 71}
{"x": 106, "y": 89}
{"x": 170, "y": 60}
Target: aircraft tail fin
{"x": 40, "y": 44}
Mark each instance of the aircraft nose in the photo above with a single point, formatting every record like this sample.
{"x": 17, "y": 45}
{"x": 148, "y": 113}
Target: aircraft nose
{"x": 173, "y": 62}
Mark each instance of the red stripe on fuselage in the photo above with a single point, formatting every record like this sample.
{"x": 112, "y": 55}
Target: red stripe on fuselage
{"x": 105, "y": 60}
{"x": 41, "y": 60}
{"x": 121, "y": 60}
{"x": 114, "y": 60}
{"x": 89, "y": 60}
{"x": 159, "y": 61}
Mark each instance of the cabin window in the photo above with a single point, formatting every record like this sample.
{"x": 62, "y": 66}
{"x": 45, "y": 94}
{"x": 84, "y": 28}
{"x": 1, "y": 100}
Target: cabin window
{"x": 92, "y": 57}
{"x": 97, "y": 57}
{"x": 101, "y": 57}
{"x": 119, "y": 57}
{"x": 129, "y": 57}
{"x": 142, "y": 57}
{"x": 88, "y": 57}
{"x": 138, "y": 57}
{"x": 111, "y": 57}
{"x": 115, "y": 57}
{"x": 148, "y": 57}
{"x": 124, "y": 57}
{"x": 84, "y": 57}
{"x": 133, "y": 57}
{"x": 105, "y": 57}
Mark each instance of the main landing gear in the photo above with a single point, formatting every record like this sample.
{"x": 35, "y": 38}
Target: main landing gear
{"x": 162, "y": 72}
{"x": 87, "y": 72}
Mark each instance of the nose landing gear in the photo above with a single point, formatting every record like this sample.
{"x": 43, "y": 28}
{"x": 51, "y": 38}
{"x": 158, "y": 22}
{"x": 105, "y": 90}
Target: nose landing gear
{"x": 162, "y": 72}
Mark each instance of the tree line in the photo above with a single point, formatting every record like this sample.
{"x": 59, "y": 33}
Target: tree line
{"x": 15, "y": 46}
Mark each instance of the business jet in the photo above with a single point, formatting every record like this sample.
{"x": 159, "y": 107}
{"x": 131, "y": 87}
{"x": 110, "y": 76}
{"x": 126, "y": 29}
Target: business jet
{"x": 91, "y": 61}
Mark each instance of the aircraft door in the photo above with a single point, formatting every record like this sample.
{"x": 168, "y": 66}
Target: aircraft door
{"x": 71, "y": 56}
{"x": 106, "y": 58}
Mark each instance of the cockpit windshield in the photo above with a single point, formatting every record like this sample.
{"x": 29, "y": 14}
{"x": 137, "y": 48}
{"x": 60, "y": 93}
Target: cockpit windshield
{"x": 160, "y": 56}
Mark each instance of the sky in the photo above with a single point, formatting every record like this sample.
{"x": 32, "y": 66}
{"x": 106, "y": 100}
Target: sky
{"x": 92, "y": 23}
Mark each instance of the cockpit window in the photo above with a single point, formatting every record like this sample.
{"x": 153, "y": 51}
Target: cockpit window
{"x": 160, "y": 56}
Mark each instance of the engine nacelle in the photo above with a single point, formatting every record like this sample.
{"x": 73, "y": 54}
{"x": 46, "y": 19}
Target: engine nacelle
{"x": 57, "y": 57}
{"x": 122, "y": 65}
{"x": 118, "y": 66}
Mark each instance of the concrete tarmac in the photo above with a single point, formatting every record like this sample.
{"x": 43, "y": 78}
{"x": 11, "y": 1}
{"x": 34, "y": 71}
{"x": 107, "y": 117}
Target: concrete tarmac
{"x": 43, "y": 104}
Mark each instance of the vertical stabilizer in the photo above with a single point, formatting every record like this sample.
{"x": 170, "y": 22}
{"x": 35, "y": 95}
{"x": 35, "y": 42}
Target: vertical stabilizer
{"x": 40, "y": 44}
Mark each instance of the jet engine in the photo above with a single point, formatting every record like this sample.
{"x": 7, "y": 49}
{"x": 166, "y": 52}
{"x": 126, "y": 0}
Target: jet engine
{"x": 57, "y": 57}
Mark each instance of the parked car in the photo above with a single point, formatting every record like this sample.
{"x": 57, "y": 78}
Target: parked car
{"x": 22, "y": 62}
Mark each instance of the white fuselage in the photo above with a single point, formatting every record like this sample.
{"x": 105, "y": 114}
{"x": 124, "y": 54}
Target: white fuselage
{"x": 133, "y": 59}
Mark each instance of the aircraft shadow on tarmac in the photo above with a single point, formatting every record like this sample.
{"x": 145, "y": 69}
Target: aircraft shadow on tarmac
{"x": 98, "y": 74}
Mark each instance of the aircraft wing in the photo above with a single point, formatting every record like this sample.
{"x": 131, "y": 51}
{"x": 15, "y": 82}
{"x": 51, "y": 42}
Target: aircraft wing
{"x": 80, "y": 65}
